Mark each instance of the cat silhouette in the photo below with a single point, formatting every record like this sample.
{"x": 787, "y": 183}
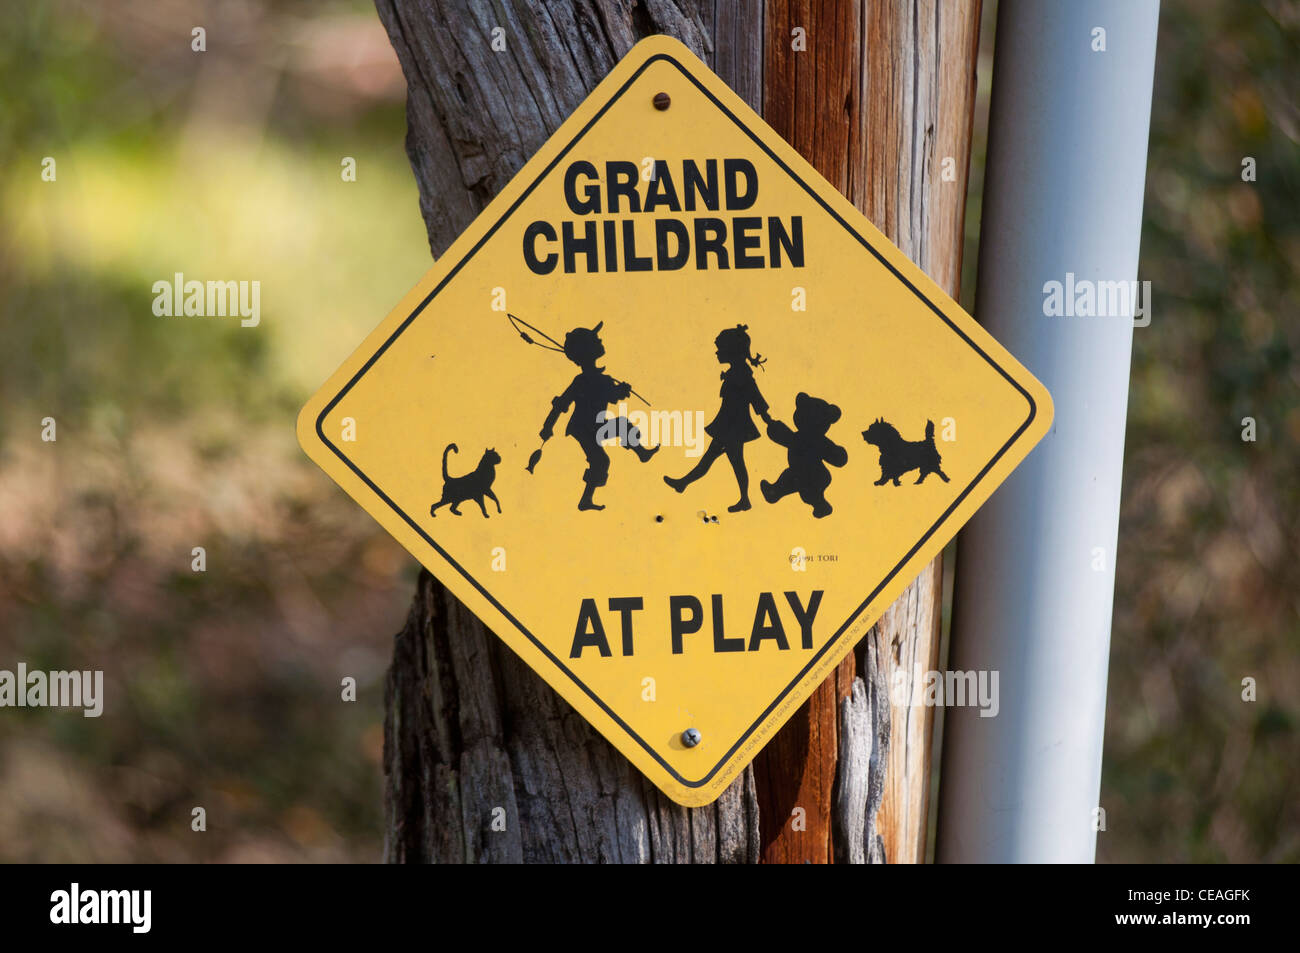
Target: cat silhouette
{"x": 472, "y": 486}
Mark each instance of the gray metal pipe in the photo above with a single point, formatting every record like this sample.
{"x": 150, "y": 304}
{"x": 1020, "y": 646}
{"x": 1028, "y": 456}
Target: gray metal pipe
{"x": 1035, "y": 568}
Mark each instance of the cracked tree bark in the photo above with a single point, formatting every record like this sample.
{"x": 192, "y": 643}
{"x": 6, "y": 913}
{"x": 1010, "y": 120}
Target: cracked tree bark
{"x": 472, "y": 736}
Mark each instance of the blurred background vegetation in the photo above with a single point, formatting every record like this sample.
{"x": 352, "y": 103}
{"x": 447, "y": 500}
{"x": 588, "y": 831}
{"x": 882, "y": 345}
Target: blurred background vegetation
{"x": 224, "y": 687}
{"x": 1208, "y": 581}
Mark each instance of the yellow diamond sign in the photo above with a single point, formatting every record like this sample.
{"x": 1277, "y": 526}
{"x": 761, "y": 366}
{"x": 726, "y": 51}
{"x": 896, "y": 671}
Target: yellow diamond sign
{"x": 675, "y": 420}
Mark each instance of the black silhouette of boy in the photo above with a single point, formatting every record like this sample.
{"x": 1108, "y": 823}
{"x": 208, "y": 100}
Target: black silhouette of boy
{"x": 590, "y": 394}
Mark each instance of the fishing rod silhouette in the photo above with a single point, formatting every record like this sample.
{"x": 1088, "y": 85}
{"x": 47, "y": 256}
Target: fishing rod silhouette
{"x": 516, "y": 322}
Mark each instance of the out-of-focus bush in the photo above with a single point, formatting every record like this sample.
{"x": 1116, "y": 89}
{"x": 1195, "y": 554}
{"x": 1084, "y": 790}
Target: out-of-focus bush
{"x": 222, "y": 687}
{"x": 1208, "y": 583}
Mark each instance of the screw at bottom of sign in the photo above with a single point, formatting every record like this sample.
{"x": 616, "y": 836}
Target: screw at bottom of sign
{"x": 690, "y": 737}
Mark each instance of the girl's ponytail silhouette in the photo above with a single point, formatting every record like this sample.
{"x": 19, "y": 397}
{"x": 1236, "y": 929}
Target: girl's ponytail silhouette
{"x": 736, "y": 341}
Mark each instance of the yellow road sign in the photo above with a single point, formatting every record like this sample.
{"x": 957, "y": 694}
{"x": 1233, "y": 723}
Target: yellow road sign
{"x": 675, "y": 420}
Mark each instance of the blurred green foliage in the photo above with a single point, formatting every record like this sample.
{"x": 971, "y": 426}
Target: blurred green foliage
{"x": 223, "y": 688}
{"x": 1208, "y": 584}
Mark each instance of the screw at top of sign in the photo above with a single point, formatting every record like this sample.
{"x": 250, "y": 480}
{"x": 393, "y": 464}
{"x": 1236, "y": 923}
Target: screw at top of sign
{"x": 662, "y": 101}
{"x": 690, "y": 737}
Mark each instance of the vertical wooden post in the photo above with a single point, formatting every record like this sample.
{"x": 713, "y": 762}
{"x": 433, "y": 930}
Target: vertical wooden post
{"x": 812, "y": 98}
{"x": 918, "y": 81}
{"x": 877, "y": 94}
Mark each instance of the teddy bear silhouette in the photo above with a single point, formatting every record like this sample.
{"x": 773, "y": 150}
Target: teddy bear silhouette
{"x": 808, "y": 450}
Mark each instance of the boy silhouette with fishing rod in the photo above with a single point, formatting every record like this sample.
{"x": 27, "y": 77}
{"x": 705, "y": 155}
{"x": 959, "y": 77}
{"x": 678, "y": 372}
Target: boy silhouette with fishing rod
{"x": 590, "y": 394}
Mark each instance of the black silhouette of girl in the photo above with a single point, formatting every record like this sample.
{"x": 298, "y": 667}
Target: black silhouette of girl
{"x": 590, "y": 394}
{"x": 733, "y": 427}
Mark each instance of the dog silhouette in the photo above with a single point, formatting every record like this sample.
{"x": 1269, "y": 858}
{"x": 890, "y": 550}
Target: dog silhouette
{"x": 474, "y": 485}
{"x": 899, "y": 456}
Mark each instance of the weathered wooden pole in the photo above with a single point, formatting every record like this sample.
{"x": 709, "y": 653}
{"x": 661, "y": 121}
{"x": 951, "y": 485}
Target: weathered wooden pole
{"x": 883, "y": 93}
{"x": 877, "y": 96}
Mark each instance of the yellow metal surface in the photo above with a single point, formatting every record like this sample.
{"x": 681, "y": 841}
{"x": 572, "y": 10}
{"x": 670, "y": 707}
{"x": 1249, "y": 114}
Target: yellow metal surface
{"x": 664, "y": 611}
